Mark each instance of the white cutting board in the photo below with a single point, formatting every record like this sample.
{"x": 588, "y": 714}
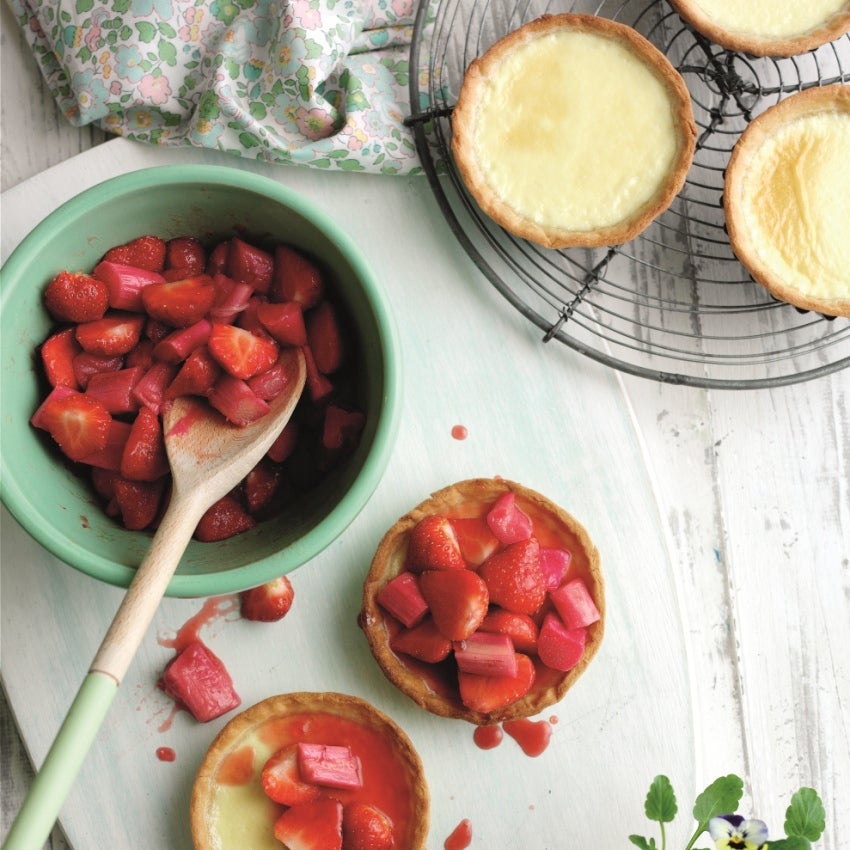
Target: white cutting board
{"x": 541, "y": 415}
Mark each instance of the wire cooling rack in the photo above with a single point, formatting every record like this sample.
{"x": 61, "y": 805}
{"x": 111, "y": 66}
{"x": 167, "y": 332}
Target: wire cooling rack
{"x": 674, "y": 304}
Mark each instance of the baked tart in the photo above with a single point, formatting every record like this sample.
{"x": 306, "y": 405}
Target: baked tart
{"x": 767, "y": 27}
{"x": 324, "y": 764}
{"x": 787, "y": 200}
{"x": 485, "y": 602}
{"x": 573, "y": 130}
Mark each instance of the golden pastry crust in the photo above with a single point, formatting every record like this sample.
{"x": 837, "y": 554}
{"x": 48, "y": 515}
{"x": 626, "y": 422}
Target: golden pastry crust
{"x": 339, "y": 705}
{"x": 464, "y": 119}
{"x": 389, "y": 561}
{"x": 828, "y": 99}
{"x": 763, "y": 45}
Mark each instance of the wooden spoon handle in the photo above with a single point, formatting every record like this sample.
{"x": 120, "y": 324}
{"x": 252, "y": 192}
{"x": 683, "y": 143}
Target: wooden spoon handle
{"x": 147, "y": 588}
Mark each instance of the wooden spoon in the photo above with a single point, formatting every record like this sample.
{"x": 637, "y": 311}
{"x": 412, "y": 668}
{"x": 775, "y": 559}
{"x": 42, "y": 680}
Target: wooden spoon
{"x": 208, "y": 458}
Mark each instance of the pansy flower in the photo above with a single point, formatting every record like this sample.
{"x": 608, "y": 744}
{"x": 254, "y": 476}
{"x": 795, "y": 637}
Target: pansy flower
{"x": 732, "y": 832}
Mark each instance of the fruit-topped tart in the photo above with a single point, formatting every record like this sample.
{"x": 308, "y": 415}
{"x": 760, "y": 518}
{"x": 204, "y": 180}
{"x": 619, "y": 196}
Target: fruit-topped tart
{"x": 310, "y": 770}
{"x": 485, "y": 602}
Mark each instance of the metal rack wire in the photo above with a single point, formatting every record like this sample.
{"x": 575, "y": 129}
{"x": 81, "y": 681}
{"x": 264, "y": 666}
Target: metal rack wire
{"x": 673, "y": 305}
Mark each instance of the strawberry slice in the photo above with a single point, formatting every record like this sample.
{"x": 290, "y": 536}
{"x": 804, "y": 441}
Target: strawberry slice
{"x": 138, "y": 501}
{"x": 560, "y": 647}
{"x": 423, "y": 641}
{"x": 318, "y": 386}
{"x": 222, "y": 520}
{"x": 57, "y": 357}
{"x": 433, "y": 545}
{"x": 520, "y": 628}
{"x": 366, "y": 827}
{"x": 284, "y": 321}
{"x": 76, "y": 297}
{"x": 186, "y": 253}
{"x": 249, "y": 264}
{"x": 260, "y": 486}
{"x": 458, "y": 601}
{"x": 179, "y": 303}
{"x": 491, "y": 693}
{"x": 295, "y": 278}
{"x": 514, "y": 578}
{"x": 78, "y": 423}
{"x": 268, "y": 602}
{"x": 241, "y": 353}
{"x": 115, "y": 334}
{"x": 144, "y": 457}
{"x": 281, "y": 779}
{"x": 477, "y": 542}
{"x": 311, "y": 826}
{"x": 285, "y": 444}
{"x": 324, "y": 336}
{"x": 145, "y": 252}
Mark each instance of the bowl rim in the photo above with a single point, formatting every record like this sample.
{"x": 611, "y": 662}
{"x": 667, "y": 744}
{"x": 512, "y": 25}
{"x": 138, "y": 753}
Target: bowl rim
{"x": 351, "y": 502}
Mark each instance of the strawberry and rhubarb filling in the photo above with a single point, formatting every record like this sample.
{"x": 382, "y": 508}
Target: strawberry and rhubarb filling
{"x": 158, "y": 319}
{"x": 486, "y": 602}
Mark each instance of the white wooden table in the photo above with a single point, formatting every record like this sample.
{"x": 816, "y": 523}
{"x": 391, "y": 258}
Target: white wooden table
{"x": 723, "y": 519}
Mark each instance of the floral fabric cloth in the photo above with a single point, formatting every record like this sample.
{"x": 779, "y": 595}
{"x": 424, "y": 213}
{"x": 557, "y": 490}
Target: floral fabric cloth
{"x": 318, "y": 82}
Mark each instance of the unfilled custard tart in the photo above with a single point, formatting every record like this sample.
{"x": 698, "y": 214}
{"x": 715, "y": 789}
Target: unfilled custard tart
{"x": 573, "y": 130}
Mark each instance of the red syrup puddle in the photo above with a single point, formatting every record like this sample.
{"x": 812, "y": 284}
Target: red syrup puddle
{"x": 487, "y": 737}
{"x": 165, "y": 754}
{"x": 459, "y": 432}
{"x": 461, "y": 837}
{"x": 214, "y": 608}
{"x": 532, "y": 735}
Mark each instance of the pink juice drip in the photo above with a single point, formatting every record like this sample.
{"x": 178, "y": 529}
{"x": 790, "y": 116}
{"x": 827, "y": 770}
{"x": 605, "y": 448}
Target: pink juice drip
{"x": 214, "y": 608}
{"x": 487, "y": 737}
{"x": 459, "y": 432}
{"x": 533, "y": 736}
{"x": 461, "y": 836}
{"x": 165, "y": 754}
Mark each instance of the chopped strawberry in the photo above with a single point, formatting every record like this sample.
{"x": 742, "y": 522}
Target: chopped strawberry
{"x": 37, "y": 420}
{"x": 268, "y": 602}
{"x": 271, "y": 383}
{"x": 125, "y": 284}
{"x": 146, "y": 252}
{"x": 103, "y": 481}
{"x": 198, "y": 681}
{"x": 197, "y": 376}
{"x": 222, "y": 520}
{"x": 76, "y": 297}
{"x": 179, "y": 303}
{"x": 559, "y": 647}
{"x": 475, "y": 539}
{"x": 217, "y": 259}
{"x": 318, "y": 386}
{"x": 236, "y": 402}
{"x": 247, "y": 263}
{"x": 311, "y": 826}
{"x": 491, "y": 693}
{"x": 325, "y": 338}
{"x": 79, "y": 424}
{"x": 342, "y": 428}
{"x": 402, "y": 598}
{"x": 116, "y": 333}
{"x": 554, "y": 564}
{"x": 109, "y": 457}
{"x": 296, "y": 278}
{"x": 284, "y": 321}
{"x": 423, "y": 641}
{"x": 284, "y": 445}
{"x": 486, "y": 654}
{"x": 144, "y": 457}
{"x": 514, "y": 579}
{"x": 575, "y": 604}
{"x": 366, "y": 827}
{"x": 521, "y": 629}
{"x": 433, "y": 545}
{"x": 86, "y": 365}
{"x": 281, "y": 779}
{"x": 187, "y": 253}
{"x": 458, "y": 600}
{"x": 241, "y": 353}
{"x": 114, "y": 390}
{"x": 57, "y": 357}
{"x": 141, "y": 355}
{"x": 249, "y": 317}
{"x": 179, "y": 344}
{"x": 260, "y": 486}
{"x": 138, "y": 501}
{"x": 157, "y": 331}
{"x": 330, "y": 765}
{"x": 507, "y": 521}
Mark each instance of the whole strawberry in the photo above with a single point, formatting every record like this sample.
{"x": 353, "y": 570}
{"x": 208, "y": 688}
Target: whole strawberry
{"x": 268, "y": 602}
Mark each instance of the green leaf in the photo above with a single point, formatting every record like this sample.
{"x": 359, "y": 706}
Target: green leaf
{"x": 166, "y": 29}
{"x": 168, "y": 53}
{"x": 795, "y": 842}
{"x": 640, "y": 841}
{"x": 84, "y": 6}
{"x": 720, "y": 798}
{"x": 248, "y": 140}
{"x": 660, "y": 802}
{"x": 147, "y": 32}
{"x": 805, "y": 817}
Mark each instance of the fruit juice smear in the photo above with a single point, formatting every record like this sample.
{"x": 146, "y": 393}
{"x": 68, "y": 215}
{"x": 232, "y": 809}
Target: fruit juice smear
{"x": 157, "y": 319}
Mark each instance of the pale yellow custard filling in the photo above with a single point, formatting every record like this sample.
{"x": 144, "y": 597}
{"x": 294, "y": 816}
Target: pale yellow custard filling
{"x": 771, "y": 18}
{"x": 796, "y": 201}
{"x": 574, "y": 131}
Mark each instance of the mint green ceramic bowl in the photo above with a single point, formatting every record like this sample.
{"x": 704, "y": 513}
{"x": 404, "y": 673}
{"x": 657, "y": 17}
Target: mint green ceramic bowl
{"x": 55, "y": 506}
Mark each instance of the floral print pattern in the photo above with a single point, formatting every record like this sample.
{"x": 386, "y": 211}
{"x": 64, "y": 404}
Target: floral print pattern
{"x": 317, "y": 82}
